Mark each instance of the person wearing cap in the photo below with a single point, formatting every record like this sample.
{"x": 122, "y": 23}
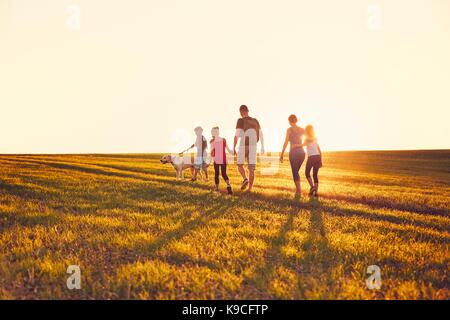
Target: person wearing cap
{"x": 248, "y": 133}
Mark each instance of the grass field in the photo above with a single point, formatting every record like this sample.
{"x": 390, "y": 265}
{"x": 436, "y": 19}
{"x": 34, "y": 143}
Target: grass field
{"x": 137, "y": 233}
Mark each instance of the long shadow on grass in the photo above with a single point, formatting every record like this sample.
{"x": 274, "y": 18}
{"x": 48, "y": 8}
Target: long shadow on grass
{"x": 7, "y": 220}
{"x": 380, "y": 217}
{"x": 157, "y": 192}
{"x": 434, "y": 273}
{"x": 187, "y": 227}
{"x": 317, "y": 261}
{"x": 141, "y": 252}
{"x": 316, "y": 269}
{"x": 259, "y": 283}
{"x": 144, "y": 251}
{"x": 319, "y": 258}
{"x": 158, "y": 172}
{"x": 24, "y": 191}
{"x": 128, "y": 174}
{"x": 160, "y": 190}
{"x": 377, "y": 203}
{"x": 185, "y": 261}
{"x": 83, "y": 169}
{"x": 247, "y": 199}
{"x": 92, "y": 162}
{"x": 313, "y": 205}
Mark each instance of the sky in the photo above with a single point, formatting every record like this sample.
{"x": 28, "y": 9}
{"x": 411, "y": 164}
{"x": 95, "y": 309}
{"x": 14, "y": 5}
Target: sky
{"x": 137, "y": 76}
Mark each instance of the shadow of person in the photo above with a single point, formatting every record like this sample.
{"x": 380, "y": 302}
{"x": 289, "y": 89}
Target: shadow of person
{"x": 316, "y": 235}
{"x": 318, "y": 258}
{"x": 259, "y": 282}
{"x": 314, "y": 266}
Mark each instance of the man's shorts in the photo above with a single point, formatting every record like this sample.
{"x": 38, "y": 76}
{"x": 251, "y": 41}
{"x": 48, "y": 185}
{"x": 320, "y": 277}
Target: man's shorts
{"x": 247, "y": 153}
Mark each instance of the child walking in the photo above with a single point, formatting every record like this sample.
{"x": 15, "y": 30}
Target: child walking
{"x": 314, "y": 161}
{"x": 218, "y": 154}
{"x": 200, "y": 159}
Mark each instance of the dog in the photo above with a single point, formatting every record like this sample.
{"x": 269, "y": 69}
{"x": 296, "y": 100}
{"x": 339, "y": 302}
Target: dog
{"x": 180, "y": 164}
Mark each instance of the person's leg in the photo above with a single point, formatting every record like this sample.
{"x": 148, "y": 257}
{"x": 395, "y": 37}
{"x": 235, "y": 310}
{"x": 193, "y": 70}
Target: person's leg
{"x": 223, "y": 168}
{"x": 310, "y": 181}
{"x": 251, "y": 160}
{"x": 251, "y": 176}
{"x": 225, "y": 177}
{"x": 197, "y": 167}
{"x": 240, "y": 164}
{"x": 241, "y": 170}
{"x": 216, "y": 175}
{"x": 194, "y": 177}
{"x": 298, "y": 188}
{"x": 316, "y": 178}
{"x": 205, "y": 171}
{"x": 295, "y": 161}
{"x": 308, "y": 172}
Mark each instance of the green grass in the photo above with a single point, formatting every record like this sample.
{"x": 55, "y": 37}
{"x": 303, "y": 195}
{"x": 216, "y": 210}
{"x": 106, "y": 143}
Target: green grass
{"x": 138, "y": 233}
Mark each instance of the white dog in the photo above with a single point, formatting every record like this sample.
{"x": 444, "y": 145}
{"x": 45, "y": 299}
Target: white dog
{"x": 180, "y": 164}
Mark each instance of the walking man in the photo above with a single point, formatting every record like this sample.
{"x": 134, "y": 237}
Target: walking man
{"x": 248, "y": 133}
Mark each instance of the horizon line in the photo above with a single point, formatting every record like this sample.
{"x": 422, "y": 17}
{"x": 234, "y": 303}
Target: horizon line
{"x": 162, "y": 152}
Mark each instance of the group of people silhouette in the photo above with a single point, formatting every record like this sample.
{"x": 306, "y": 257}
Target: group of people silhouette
{"x": 248, "y": 134}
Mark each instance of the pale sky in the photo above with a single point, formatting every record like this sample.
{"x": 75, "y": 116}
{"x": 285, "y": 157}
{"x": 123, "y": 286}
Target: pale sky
{"x": 139, "y": 75}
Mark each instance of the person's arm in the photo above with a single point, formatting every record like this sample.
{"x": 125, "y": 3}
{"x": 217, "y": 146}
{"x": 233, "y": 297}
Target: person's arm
{"x": 261, "y": 138}
{"x": 181, "y": 153}
{"x": 286, "y": 141}
{"x": 235, "y": 143}
{"x": 321, "y": 158}
{"x": 236, "y": 135}
{"x": 212, "y": 149}
{"x": 227, "y": 147}
{"x": 301, "y": 145}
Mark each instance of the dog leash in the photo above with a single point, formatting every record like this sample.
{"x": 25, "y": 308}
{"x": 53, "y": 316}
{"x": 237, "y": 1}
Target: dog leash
{"x": 182, "y": 152}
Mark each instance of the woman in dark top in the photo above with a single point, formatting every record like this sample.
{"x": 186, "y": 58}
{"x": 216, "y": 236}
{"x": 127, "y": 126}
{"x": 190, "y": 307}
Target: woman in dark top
{"x": 294, "y": 136}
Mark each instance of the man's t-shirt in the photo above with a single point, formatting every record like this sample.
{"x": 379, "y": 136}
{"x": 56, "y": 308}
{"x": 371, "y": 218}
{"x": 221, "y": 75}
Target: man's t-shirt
{"x": 246, "y": 124}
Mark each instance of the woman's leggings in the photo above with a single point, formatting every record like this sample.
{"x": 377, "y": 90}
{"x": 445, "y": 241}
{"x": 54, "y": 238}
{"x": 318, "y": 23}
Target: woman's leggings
{"x": 217, "y": 169}
{"x": 313, "y": 162}
{"x": 296, "y": 158}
